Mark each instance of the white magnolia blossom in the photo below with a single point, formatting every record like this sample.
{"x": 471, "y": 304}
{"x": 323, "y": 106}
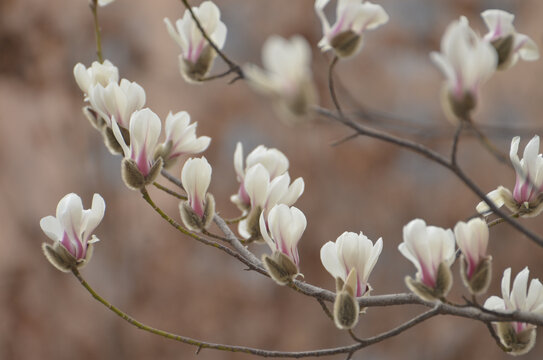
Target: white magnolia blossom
{"x": 98, "y": 73}
{"x": 145, "y": 127}
{"x": 104, "y": 2}
{"x": 73, "y": 226}
{"x": 117, "y": 101}
{"x": 472, "y": 239}
{"x": 509, "y": 44}
{"x": 286, "y": 76}
{"x": 196, "y": 177}
{"x": 286, "y": 226}
{"x": 527, "y": 194}
{"x": 353, "y": 17}
{"x": 519, "y": 298}
{"x": 352, "y": 251}
{"x": 275, "y": 162}
{"x": 181, "y": 137}
{"x": 428, "y": 248}
{"x": 467, "y": 61}
{"x": 196, "y": 54}
{"x": 264, "y": 193}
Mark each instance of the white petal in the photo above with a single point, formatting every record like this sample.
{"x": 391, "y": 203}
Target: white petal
{"x": 331, "y": 262}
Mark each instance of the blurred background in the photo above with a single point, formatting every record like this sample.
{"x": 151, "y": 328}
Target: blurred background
{"x": 48, "y": 149}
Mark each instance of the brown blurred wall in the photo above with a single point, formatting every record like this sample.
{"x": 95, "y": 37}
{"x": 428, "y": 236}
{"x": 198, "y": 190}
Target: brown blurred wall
{"x": 48, "y": 149}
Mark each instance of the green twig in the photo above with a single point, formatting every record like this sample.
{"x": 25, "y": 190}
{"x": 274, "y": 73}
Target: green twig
{"x": 94, "y": 8}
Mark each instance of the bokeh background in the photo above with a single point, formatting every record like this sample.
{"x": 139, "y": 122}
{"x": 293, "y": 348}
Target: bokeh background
{"x": 48, "y": 149}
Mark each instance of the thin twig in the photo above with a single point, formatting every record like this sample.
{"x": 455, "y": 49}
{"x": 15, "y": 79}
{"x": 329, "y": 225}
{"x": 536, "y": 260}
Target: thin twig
{"x": 331, "y": 86}
{"x": 169, "y": 191}
{"x": 93, "y": 4}
{"x": 325, "y": 309}
{"x": 435, "y": 157}
{"x": 456, "y": 139}
{"x": 202, "y": 240}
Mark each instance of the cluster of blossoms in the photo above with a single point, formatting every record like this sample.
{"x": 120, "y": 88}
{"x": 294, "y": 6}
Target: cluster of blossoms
{"x": 266, "y": 194}
{"x": 468, "y": 60}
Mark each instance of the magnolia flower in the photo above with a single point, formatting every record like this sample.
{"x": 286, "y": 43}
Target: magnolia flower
{"x": 181, "y": 138}
{"x": 196, "y": 54}
{"x": 527, "y": 196}
{"x": 275, "y": 162}
{"x": 287, "y": 76}
{"x": 98, "y": 73}
{"x": 264, "y": 194}
{"x": 431, "y": 250}
{"x": 286, "y": 226}
{"x": 472, "y": 239}
{"x": 352, "y": 251}
{"x": 467, "y": 61}
{"x": 117, "y": 101}
{"x": 139, "y": 166}
{"x": 71, "y": 231}
{"x": 353, "y": 17}
{"x": 104, "y": 2}
{"x": 518, "y": 336}
{"x": 509, "y": 44}
{"x": 197, "y": 212}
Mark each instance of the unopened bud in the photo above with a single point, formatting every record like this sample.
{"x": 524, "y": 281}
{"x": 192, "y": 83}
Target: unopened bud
{"x": 480, "y": 279}
{"x": 197, "y": 71}
{"x": 516, "y": 343}
{"x": 111, "y": 142}
{"x": 96, "y": 120}
{"x": 133, "y": 177}
{"x": 280, "y": 267}
{"x": 346, "y": 43}
{"x": 441, "y": 288}
{"x": 192, "y": 220}
{"x": 460, "y": 108}
{"x": 504, "y": 49}
{"x": 62, "y": 259}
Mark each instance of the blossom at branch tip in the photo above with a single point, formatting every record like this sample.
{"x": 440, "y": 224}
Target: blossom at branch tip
{"x": 98, "y": 73}
{"x": 181, "y": 138}
{"x": 509, "y": 45}
{"x": 286, "y": 77}
{"x": 104, "y": 2}
{"x": 139, "y": 166}
{"x": 475, "y": 267}
{"x": 467, "y": 61}
{"x": 198, "y": 210}
{"x": 519, "y": 337}
{"x": 431, "y": 250}
{"x": 353, "y": 17}
{"x": 117, "y": 100}
{"x": 286, "y": 226}
{"x": 352, "y": 251}
{"x": 264, "y": 194}
{"x": 71, "y": 230}
{"x": 275, "y": 162}
{"x": 527, "y": 196}
{"x": 197, "y": 55}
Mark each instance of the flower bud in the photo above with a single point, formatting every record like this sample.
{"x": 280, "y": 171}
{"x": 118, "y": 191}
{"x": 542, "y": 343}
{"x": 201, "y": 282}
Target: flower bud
{"x": 192, "y": 220}
{"x": 443, "y": 284}
{"x": 346, "y": 308}
{"x": 134, "y": 178}
{"x": 480, "y": 278}
{"x": 517, "y": 343}
{"x": 71, "y": 230}
{"x": 96, "y": 120}
{"x": 280, "y": 267}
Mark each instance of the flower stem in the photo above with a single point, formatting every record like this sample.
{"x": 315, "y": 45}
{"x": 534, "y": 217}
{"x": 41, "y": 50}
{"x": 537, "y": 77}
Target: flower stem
{"x": 94, "y": 8}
